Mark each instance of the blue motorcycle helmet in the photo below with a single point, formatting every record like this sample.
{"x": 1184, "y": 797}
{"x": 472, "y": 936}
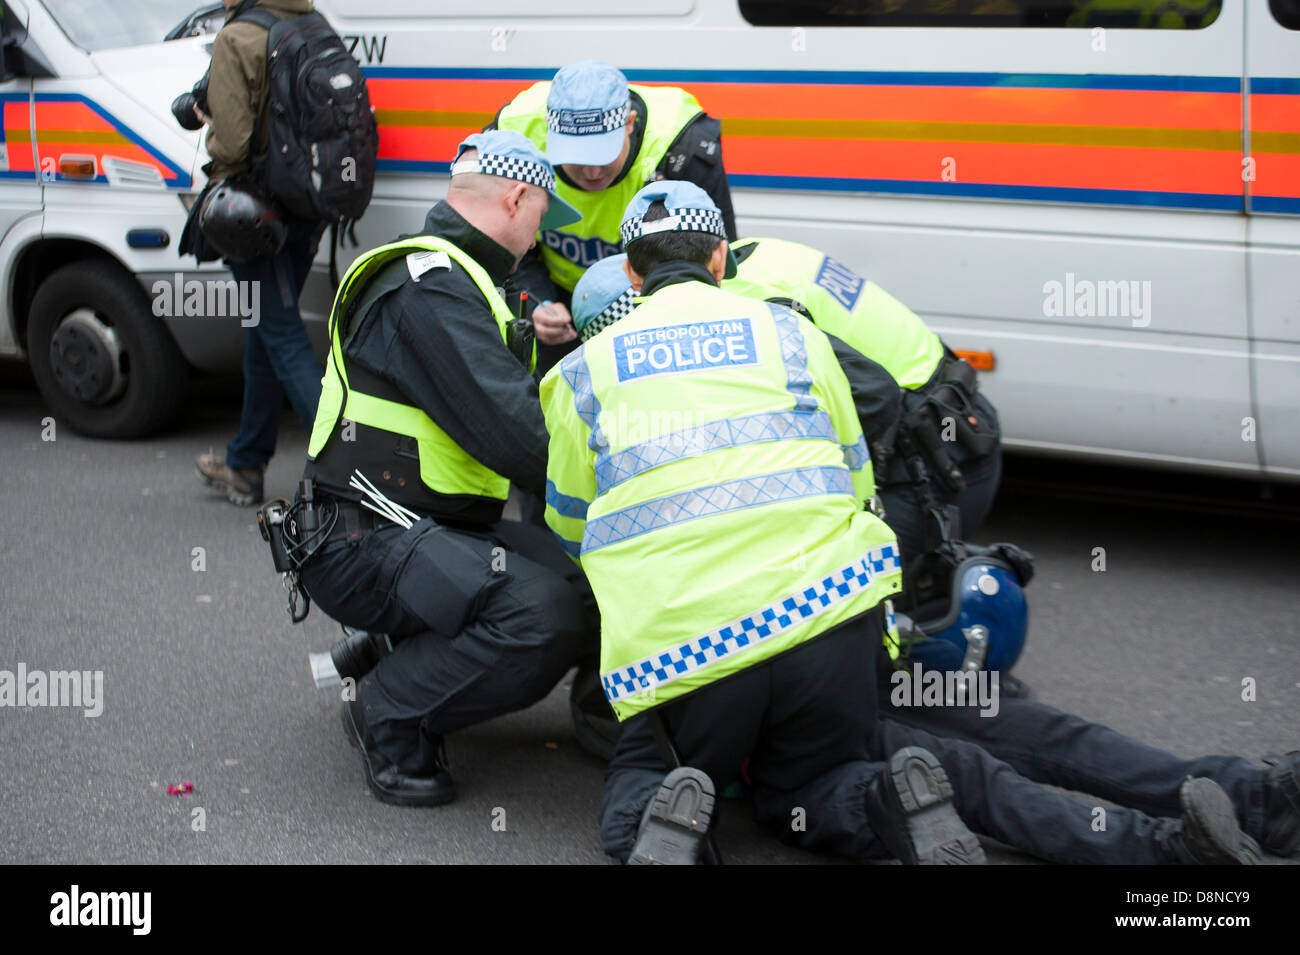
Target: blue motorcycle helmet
{"x": 969, "y": 610}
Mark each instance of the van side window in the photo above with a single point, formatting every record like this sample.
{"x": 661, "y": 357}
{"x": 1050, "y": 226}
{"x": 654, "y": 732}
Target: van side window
{"x": 1116, "y": 14}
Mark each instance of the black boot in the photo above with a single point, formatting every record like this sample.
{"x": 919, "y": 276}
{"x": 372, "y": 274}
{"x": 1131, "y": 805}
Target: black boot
{"x": 676, "y": 821}
{"x": 1208, "y": 833}
{"x": 433, "y": 787}
{"x": 910, "y": 810}
{"x": 1282, "y": 804}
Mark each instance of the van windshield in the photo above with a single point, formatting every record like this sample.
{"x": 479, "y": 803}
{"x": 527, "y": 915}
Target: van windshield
{"x": 100, "y": 25}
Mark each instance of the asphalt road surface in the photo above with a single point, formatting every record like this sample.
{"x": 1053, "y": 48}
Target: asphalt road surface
{"x": 206, "y": 681}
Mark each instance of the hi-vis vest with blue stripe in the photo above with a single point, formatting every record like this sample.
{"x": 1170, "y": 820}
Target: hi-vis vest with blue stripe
{"x": 445, "y": 467}
{"x": 707, "y": 468}
{"x": 570, "y": 251}
{"x": 842, "y": 303}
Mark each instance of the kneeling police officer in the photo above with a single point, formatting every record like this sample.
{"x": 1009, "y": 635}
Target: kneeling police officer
{"x": 424, "y": 398}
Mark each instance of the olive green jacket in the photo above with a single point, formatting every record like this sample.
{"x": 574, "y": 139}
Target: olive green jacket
{"x": 237, "y": 92}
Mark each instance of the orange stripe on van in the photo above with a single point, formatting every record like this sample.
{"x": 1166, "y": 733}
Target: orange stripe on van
{"x": 1024, "y": 165}
{"x": 962, "y": 104}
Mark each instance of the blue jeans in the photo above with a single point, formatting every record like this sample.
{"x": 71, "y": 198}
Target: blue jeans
{"x": 278, "y": 357}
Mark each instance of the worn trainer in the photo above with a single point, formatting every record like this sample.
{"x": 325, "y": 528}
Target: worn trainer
{"x": 1208, "y": 833}
{"x": 1282, "y": 804}
{"x": 676, "y": 821}
{"x": 910, "y": 810}
{"x": 242, "y": 486}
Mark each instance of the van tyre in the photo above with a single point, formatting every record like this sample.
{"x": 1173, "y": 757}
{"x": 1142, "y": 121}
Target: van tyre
{"x": 102, "y": 361}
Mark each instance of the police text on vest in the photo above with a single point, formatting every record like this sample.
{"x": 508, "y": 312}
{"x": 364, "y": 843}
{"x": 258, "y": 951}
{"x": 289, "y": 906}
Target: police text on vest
{"x": 678, "y": 348}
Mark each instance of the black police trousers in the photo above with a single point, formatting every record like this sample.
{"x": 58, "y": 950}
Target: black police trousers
{"x": 802, "y": 718}
{"x": 483, "y": 624}
{"x": 1036, "y": 743}
{"x": 905, "y": 511}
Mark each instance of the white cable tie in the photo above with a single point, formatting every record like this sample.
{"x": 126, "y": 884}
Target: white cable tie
{"x": 396, "y": 519}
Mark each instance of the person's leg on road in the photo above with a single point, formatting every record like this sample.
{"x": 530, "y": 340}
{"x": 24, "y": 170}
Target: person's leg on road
{"x": 1050, "y": 746}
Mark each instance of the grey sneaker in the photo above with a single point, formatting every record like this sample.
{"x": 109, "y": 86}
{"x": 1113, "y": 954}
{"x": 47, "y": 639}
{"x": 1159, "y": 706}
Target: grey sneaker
{"x": 910, "y": 809}
{"x": 242, "y": 486}
{"x": 1208, "y": 833}
{"x": 676, "y": 821}
{"x": 1282, "y": 804}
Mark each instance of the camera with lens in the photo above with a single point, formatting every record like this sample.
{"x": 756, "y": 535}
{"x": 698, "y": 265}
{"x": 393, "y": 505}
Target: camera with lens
{"x": 183, "y": 105}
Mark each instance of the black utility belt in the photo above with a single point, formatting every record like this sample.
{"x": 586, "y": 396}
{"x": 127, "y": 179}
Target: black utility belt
{"x": 355, "y": 522}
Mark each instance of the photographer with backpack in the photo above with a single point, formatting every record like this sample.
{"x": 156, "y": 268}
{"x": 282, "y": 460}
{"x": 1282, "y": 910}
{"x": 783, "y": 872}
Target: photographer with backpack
{"x": 293, "y": 144}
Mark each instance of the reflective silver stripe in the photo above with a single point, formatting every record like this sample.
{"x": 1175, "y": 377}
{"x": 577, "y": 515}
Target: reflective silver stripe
{"x": 714, "y": 499}
{"x": 565, "y": 504}
{"x": 614, "y": 469}
{"x": 794, "y": 352}
{"x": 578, "y": 375}
{"x": 856, "y": 456}
{"x": 753, "y": 629}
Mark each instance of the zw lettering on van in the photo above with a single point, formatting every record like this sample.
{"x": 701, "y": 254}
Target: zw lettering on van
{"x": 584, "y": 252}
{"x": 842, "y": 282}
{"x": 372, "y": 47}
{"x": 676, "y": 348}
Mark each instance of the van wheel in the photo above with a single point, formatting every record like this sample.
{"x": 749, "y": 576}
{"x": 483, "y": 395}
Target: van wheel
{"x": 102, "y": 360}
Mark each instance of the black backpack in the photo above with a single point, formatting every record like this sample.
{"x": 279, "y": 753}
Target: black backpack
{"x": 320, "y": 161}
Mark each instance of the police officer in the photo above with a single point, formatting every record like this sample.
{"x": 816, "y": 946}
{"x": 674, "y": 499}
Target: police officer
{"x": 423, "y": 396}
{"x": 1192, "y": 824}
{"x": 946, "y": 448}
{"x": 708, "y": 470}
{"x": 607, "y": 140}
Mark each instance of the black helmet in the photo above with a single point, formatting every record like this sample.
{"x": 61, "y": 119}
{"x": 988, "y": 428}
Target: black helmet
{"x": 241, "y": 224}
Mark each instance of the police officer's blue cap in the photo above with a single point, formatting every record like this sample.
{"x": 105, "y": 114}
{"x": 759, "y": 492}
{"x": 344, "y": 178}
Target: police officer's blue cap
{"x": 505, "y": 153}
{"x": 689, "y": 210}
{"x": 586, "y": 114}
{"x": 602, "y": 296}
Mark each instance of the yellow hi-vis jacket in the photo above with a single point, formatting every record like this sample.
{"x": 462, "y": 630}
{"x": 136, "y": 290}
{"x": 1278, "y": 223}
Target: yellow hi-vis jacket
{"x": 445, "y": 467}
{"x": 841, "y": 303}
{"x": 570, "y": 251}
{"x": 707, "y": 469}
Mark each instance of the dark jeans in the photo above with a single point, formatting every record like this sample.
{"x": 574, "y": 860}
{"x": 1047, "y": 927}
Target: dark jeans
{"x": 803, "y": 718}
{"x": 278, "y": 357}
{"x": 483, "y": 624}
{"x": 905, "y": 513}
{"x": 1049, "y": 746}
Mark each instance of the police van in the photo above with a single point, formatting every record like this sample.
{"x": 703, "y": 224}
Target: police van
{"x": 95, "y": 181}
{"x": 1096, "y": 201}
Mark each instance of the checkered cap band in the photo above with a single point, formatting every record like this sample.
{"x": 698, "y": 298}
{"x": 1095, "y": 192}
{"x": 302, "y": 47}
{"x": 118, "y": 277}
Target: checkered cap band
{"x": 586, "y": 122}
{"x": 508, "y": 167}
{"x": 678, "y": 220}
{"x": 621, "y": 307}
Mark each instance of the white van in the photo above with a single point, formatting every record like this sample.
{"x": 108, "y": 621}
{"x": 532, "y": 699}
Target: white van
{"x": 1097, "y": 200}
{"x": 95, "y": 177}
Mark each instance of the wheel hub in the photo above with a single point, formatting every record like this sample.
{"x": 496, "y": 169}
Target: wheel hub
{"x": 85, "y": 356}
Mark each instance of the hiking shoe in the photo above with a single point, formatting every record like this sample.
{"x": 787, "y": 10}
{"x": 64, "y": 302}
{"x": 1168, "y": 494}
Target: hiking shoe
{"x": 677, "y": 820}
{"x": 243, "y": 486}
{"x": 910, "y": 809}
{"x": 1208, "y": 833}
{"x": 1282, "y": 804}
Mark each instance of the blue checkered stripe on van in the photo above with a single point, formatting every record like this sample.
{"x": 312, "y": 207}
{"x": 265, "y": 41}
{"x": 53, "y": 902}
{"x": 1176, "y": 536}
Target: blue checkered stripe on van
{"x": 745, "y": 633}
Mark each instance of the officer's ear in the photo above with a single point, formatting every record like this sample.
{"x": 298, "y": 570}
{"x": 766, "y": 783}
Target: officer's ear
{"x": 515, "y": 198}
{"x": 718, "y": 261}
{"x": 631, "y": 121}
{"x": 636, "y": 280}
